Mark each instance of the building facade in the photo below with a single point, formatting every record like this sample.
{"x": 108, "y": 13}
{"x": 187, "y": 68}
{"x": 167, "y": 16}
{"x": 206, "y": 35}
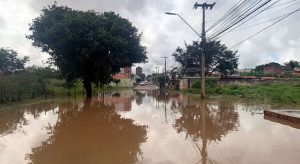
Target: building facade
{"x": 125, "y": 77}
{"x": 124, "y": 73}
{"x": 139, "y": 71}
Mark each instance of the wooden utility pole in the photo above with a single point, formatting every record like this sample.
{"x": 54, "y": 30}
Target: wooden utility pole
{"x": 204, "y": 7}
{"x": 165, "y": 70}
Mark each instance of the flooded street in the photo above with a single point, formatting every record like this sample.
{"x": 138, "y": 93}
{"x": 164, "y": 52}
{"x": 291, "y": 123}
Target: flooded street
{"x": 145, "y": 127}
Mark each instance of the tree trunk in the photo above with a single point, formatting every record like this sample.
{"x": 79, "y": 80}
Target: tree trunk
{"x": 88, "y": 87}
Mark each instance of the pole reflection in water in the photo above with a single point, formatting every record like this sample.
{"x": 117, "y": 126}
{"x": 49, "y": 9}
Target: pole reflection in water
{"x": 203, "y": 123}
{"x": 204, "y": 139}
{"x": 165, "y": 106}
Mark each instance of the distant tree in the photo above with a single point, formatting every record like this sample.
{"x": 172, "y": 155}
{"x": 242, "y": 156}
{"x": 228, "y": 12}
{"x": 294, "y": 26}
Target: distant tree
{"x": 259, "y": 70}
{"x": 116, "y": 81}
{"x": 160, "y": 78}
{"x": 292, "y": 64}
{"x": 87, "y": 45}
{"x": 9, "y": 61}
{"x": 272, "y": 64}
{"x": 143, "y": 77}
{"x": 218, "y": 58}
{"x": 44, "y": 72}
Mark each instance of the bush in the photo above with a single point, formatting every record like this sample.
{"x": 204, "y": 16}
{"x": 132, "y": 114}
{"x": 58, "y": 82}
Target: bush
{"x": 29, "y": 83}
{"x": 208, "y": 83}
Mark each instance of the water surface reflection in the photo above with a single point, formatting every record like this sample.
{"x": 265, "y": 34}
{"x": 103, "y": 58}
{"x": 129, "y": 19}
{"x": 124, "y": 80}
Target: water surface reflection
{"x": 145, "y": 127}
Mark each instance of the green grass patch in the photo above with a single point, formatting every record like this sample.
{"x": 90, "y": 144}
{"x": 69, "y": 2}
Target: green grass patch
{"x": 273, "y": 93}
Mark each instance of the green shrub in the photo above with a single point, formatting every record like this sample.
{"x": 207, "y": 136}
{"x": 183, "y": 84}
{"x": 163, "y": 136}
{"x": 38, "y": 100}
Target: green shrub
{"x": 196, "y": 84}
{"x": 208, "y": 83}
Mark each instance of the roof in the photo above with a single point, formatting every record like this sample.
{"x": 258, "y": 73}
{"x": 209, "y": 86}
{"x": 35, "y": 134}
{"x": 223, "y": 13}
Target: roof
{"x": 121, "y": 76}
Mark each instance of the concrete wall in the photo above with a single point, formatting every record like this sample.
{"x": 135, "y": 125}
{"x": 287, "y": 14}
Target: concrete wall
{"x": 183, "y": 84}
{"x": 238, "y": 81}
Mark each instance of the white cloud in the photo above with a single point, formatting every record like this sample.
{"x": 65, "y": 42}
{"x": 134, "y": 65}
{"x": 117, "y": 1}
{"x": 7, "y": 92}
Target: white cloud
{"x": 161, "y": 33}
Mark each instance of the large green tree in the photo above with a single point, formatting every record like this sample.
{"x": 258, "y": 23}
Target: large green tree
{"x": 9, "y": 61}
{"x": 87, "y": 45}
{"x": 217, "y": 57}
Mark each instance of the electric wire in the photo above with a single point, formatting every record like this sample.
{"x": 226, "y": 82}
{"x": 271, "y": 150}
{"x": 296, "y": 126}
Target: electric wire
{"x": 271, "y": 6}
{"x": 234, "y": 18}
{"x": 228, "y": 16}
{"x": 278, "y": 11}
{"x": 223, "y": 17}
{"x": 245, "y": 21}
{"x": 241, "y": 19}
{"x": 253, "y": 25}
{"x": 265, "y": 28}
{"x": 231, "y": 14}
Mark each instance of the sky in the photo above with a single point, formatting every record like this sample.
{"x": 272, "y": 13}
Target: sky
{"x": 162, "y": 33}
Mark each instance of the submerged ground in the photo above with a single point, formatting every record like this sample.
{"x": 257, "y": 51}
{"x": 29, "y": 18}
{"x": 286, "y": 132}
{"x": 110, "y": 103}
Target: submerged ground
{"x": 146, "y": 127}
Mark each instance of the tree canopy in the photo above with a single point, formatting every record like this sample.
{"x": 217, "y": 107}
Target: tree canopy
{"x": 292, "y": 64}
{"x": 9, "y": 62}
{"x": 87, "y": 45}
{"x": 260, "y": 68}
{"x": 217, "y": 58}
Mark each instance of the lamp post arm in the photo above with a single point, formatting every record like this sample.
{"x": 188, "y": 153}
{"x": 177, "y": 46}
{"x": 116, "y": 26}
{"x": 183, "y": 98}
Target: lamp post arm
{"x": 189, "y": 25}
{"x": 169, "y": 13}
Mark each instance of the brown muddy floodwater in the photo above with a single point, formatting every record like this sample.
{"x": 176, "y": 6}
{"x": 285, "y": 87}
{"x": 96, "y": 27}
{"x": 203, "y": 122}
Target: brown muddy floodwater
{"x": 145, "y": 127}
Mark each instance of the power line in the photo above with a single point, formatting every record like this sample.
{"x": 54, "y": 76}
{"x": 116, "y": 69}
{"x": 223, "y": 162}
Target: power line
{"x": 235, "y": 28}
{"x": 219, "y": 20}
{"x": 267, "y": 8}
{"x": 241, "y": 19}
{"x": 283, "y": 3}
{"x": 235, "y": 17}
{"x": 278, "y": 11}
{"x": 253, "y": 25}
{"x": 266, "y": 28}
{"x": 230, "y": 17}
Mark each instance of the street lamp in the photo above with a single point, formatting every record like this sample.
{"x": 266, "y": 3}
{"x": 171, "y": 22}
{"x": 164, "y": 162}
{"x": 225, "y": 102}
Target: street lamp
{"x": 168, "y": 13}
{"x": 202, "y": 55}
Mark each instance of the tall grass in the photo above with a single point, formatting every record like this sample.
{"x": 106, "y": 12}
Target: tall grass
{"x": 33, "y": 83}
{"x": 275, "y": 93}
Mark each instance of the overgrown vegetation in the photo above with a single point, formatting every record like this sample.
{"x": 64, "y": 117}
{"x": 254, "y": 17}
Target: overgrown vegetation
{"x": 275, "y": 93}
{"x": 39, "y": 82}
{"x": 29, "y": 83}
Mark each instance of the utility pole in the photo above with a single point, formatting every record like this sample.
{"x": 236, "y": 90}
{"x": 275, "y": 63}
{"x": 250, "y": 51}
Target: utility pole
{"x": 157, "y": 72}
{"x": 204, "y": 7}
{"x": 165, "y": 70}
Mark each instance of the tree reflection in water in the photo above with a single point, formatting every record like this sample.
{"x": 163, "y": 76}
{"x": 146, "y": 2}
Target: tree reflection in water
{"x": 14, "y": 118}
{"x": 91, "y": 133}
{"x": 205, "y": 123}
